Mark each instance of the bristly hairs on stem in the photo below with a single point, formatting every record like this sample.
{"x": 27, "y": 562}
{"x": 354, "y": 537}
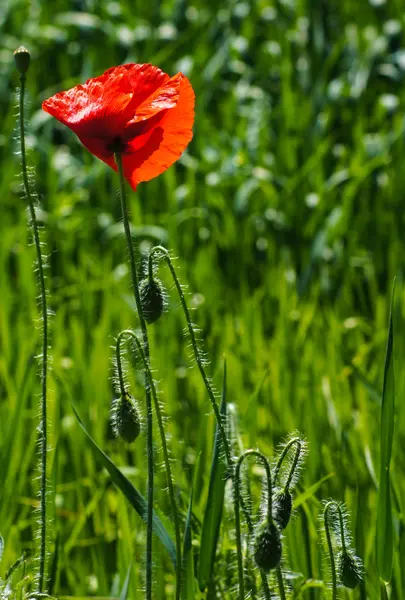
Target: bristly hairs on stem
{"x": 267, "y": 546}
{"x": 286, "y": 473}
{"x": 157, "y": 253}
{"x": 145, "y": 342}
{"x": 128, "y": 333}
{"x": 335, "y": 521}
{"x": 22, "y": 61}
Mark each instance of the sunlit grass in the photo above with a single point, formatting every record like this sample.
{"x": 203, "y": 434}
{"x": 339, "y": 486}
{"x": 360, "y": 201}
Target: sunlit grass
{"x": 287, "y": 217}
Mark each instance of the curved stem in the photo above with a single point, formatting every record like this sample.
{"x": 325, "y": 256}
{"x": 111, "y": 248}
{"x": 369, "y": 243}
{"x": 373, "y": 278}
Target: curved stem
{"x": 135, "y": 286}
{"x": 160, "y": 250}
{"x": 119, "y": 363}
{"x": 280, "y": 583}
{"x": 284, "y": 453}
{"x": 128, "y": 332}
{"x": 44, "y": 370}
{"x": 330, "y": 548}
{"x": 237, "y": 494}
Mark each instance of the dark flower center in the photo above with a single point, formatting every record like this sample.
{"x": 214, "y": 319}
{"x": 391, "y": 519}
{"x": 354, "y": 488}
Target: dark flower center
{"x": 117, "y": 145}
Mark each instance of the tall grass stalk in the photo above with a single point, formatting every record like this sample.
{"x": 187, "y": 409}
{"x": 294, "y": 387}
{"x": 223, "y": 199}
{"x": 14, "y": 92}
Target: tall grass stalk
{"x": 44, "y": 318}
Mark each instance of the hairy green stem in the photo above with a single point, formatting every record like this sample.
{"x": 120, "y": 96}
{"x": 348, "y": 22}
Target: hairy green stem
{"x": 160, "y": 251}
{"x": 330, "y": 548}
{"x": 44, "y": 369}
{"x": 128, "y": 332}
{"x": 280, "y": 583}
{"x": 149, "y": 443}
{"x": 295, "y": 441}
{"x": 237, "y": 494}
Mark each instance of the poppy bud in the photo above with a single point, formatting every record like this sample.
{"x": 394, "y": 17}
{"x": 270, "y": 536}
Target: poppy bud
{"x": 22, "y": 59}
{"x": 125, "y": 418}
{"x": 349, "y": 570}
{"x": 267, "y": 547}
{"x": 153, "y": 299}
{"x": 282, "y": 508}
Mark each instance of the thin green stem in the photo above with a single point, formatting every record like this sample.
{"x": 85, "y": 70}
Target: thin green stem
{"x": 128, "y": 332}
{"x": 160, "y": 251}
{"x": 149, "y": 443}
{"x": 44, "y": 369}
{"x": 265, "y": 585}
{"x": 237, "y": 494}
{"x": 330, "y": 548}
{"x": 280, "y": 583}
{"x": 119, "y": 363}
{"x": 295, "y": 441}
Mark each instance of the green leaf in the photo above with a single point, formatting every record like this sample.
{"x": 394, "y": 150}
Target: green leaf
{"x": 311, "y": 491}
{"x": 125, "y": 587}
{"x": 187, "y": 590}
{"x": 131, "y": 493}
{"x": 215, "y": 501}
{"x": 384, "y": 531}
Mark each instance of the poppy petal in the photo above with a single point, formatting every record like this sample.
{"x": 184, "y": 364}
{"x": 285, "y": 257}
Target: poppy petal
{"x": 102, "y": 103}
{"x": 165, "y": 97}
{"x": 156, "y": 150}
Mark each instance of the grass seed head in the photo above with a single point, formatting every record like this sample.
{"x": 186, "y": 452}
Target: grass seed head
{"x": 267, "y": 547}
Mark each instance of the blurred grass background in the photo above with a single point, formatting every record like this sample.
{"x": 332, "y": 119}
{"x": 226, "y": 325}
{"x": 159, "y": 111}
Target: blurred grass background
{"x": 286, "y": 213}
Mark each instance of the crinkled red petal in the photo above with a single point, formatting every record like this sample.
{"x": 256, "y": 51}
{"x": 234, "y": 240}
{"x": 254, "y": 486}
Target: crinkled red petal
{"x": 156, "y": 149}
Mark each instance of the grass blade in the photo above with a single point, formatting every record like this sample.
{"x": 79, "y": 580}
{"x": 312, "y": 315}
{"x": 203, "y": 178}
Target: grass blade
{"x": 187, "y": 591}
{"x": 215, "y": 501}
{"x": 131, "y": 493}
{"x": 125, "y": 587}
{"x": 384, "y": 532}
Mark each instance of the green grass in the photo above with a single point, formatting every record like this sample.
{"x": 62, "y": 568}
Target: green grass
{"x": 287, "y": 218}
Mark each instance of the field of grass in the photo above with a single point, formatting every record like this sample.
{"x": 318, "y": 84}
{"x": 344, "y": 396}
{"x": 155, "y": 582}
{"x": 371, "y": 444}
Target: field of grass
{"x": 286, "y": 217}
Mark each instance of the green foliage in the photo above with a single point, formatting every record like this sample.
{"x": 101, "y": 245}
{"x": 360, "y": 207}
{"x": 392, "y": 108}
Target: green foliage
{"x": 286, "y": 215}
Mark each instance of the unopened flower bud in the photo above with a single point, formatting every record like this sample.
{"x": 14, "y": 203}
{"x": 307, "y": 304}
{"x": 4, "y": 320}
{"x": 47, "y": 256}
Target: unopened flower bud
{"x": 125, "y": 418}
{"x": 282, "y": 508}
{"x": 350, "y": 574}
{"x": 153, "y": 299}
{"x": 22, "y": 59}
{"x": 267, "y": 547}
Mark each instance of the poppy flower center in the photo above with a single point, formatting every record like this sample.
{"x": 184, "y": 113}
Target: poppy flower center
{"x": 117, "y": 145}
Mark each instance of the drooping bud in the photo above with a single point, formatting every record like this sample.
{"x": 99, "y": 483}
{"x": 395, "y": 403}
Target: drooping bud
{"x": 153, "y": 299}
{"x": 125, "y": 418}
{"x": 350, "y": 572}
{"x": 267, "y": 547}
{"x": 282, "y": 508}
{"x": 22, "y": 59}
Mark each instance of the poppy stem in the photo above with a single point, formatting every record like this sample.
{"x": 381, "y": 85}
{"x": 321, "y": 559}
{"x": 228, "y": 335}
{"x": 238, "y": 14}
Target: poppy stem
{"x": 161, "y": 252}
{"x": 237, "y": 493}
{"x": 328, "y": 506}
{"x": 149, "y": 443}
{"x": 170, "y": 486}
{"x": 44, "y": 357}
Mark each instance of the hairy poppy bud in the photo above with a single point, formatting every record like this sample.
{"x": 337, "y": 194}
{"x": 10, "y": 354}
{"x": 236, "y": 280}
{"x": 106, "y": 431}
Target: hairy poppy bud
{"x": 153, "y": 299}
{"x": 267, "y": 547}
{"x": 349, "y": 570}
{"x": 282, "y": 508}
{"x": 22, "y": 59}
{"x": 125, "y": 418}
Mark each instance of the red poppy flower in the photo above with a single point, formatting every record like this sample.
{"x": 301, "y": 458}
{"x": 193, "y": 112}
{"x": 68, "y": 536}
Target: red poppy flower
{"x": 136, "y": 110}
